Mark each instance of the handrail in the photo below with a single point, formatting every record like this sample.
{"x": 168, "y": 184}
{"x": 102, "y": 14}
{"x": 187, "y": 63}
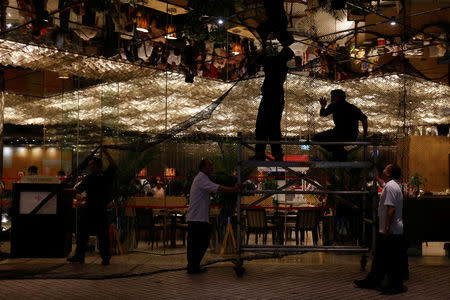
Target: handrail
{"x": 306, "y": 142}
{"x": 315, "y": 192}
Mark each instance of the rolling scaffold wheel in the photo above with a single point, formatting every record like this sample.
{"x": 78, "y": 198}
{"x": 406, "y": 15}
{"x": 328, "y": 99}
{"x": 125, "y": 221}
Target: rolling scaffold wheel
{"x": 363, "y": 261}
{"x": 238, "y": 267}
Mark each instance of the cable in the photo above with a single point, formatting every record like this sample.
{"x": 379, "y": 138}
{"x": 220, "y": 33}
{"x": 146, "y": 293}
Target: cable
{"x": 21, "y": 276}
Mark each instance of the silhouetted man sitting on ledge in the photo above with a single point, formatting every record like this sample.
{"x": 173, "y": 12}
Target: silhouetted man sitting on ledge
{"x": 345, "y": 117}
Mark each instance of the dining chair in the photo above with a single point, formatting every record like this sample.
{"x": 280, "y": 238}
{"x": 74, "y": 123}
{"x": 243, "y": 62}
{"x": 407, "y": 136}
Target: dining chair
{"x": 257, "y": 224}
{"x": 148, "y": 227}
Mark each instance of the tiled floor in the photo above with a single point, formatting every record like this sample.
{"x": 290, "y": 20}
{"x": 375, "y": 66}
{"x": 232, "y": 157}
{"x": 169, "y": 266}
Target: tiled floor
{"x": 141, "y": 275}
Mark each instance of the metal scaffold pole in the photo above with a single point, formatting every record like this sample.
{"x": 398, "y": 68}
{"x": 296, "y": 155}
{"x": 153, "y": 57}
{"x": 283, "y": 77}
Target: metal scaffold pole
{"x": 238, "y": 265}
{"x": 374, "y": 198}
{"x": 319, "y": 189}
{"x": 363, "y": 213}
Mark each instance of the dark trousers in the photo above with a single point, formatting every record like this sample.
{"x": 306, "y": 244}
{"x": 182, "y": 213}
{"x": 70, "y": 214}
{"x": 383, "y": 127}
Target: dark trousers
{"x": 338, "y": 152}
{"x": 95, "y": 222}
{"x": 197, "y": 243}
{"x": 268, "y": 126}
{"x": 389, "y": 259}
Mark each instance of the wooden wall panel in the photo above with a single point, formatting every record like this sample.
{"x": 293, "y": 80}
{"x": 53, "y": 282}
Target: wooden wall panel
{"x": 428, "y": 156}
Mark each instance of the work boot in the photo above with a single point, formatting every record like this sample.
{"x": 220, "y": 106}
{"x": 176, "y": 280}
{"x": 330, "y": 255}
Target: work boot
{"x": 257, "y": 157}
{"x": 278, "y": 157}
{"x": 365, "y": 284}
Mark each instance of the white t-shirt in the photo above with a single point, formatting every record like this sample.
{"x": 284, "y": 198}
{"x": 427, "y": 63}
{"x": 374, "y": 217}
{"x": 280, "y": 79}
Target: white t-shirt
{"x": 392, "y": 195}
{"x": 158, "y": 193}
{"x": 199, "y": 198}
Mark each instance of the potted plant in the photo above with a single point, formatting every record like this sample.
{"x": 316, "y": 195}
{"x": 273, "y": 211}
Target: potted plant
{"x": 129, "y": 163}
{"x": 416, "y": 182}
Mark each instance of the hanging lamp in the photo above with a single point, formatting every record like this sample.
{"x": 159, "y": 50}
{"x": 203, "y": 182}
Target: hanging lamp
{"x": 171, "y": 32}
{"x": 142, "y": 23}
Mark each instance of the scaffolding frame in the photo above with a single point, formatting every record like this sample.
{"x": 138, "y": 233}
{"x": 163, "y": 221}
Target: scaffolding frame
{"x": 287, "y": 165}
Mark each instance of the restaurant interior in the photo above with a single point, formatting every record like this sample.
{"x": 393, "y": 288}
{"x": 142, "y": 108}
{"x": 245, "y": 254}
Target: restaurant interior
{"x": 161, "y": 84}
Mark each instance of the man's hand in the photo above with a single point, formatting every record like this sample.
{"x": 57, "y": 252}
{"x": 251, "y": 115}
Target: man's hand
{"x": 229, "y": 189}
{"x": 323, "y": 102}
{"x": 377, "y": 177}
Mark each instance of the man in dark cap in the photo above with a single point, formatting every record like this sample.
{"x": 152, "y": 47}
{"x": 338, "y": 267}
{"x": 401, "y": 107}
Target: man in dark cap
{"x": 345, "y": 117}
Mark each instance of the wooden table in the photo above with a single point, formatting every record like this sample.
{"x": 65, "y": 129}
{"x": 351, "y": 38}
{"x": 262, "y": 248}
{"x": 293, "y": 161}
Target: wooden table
{"x": 169, "y": 207}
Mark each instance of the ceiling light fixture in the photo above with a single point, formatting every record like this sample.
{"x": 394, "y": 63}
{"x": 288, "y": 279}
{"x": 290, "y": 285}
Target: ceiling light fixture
{"x": 236, "y": 49}
{"x": 171, "y": 33}
{"x": 220, "y": 21}
{"x": 393, "y": 22}
{"x": 141, "y": 29}
{"x": 142, "y": 23}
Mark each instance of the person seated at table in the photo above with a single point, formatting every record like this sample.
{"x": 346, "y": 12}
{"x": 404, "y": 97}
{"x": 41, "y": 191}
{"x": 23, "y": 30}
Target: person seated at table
{"x": 32, "y": 170}
{"x": 158, "y": 190}
{"x": 147, "y": 187}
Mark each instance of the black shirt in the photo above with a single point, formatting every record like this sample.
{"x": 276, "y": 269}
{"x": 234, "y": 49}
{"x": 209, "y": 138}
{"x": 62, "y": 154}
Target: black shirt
{"x": 98, "y": 188}
{"x": 275, "y": 71}
{"x": 345, "y": 117}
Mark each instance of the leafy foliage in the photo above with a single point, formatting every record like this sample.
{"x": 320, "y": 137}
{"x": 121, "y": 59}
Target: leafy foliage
{"x": 100, "y": 5}
{"x": 224, "y": 170}
{"x": 195, "y": 26}
{"x": 325, "y": 6}
{"x": 129, "y": 164}
{"x": 180, "y": 186}
{"x": 417, "y": 181}
{"x": 269, "y": 184}
{"x": 214, "y": 7}
{"x": 218, "y": 35}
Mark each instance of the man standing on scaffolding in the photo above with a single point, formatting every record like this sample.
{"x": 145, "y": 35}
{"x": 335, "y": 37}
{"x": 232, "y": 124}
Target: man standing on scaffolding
{"x": 272, "y": 103}
{"x": 345, "y": 117}
{"x": 270, "y": 110}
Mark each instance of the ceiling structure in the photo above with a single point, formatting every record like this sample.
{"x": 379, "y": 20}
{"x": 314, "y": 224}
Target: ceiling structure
{"x": 140, "y": 105}
{"x": 373, "y": 59}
